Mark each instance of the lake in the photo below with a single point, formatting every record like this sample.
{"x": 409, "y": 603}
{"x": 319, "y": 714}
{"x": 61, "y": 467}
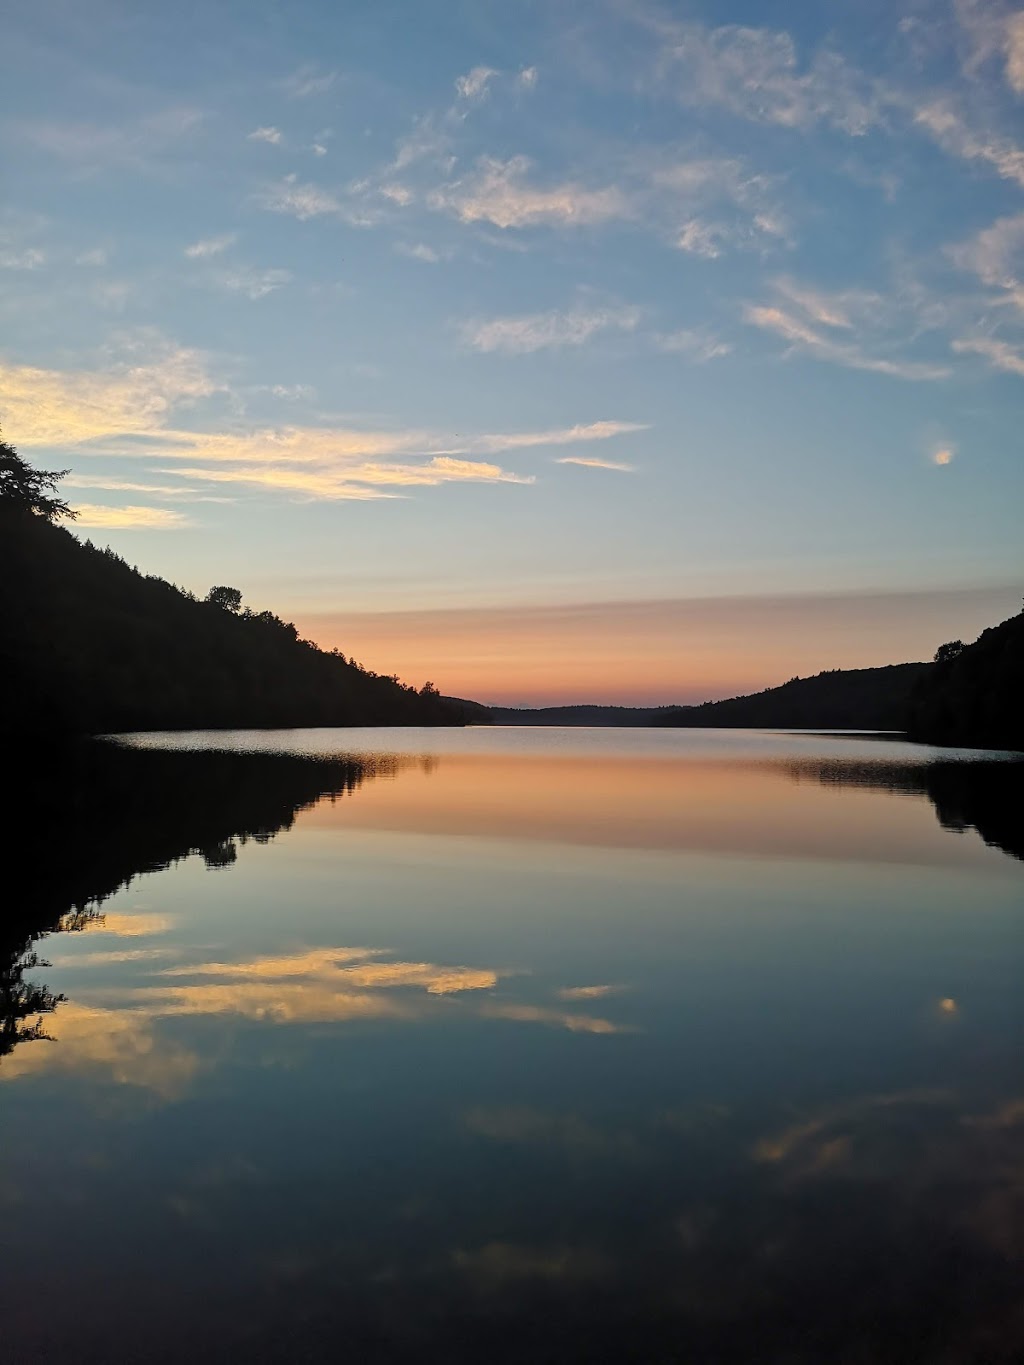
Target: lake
{"x": 515, "y": 1045}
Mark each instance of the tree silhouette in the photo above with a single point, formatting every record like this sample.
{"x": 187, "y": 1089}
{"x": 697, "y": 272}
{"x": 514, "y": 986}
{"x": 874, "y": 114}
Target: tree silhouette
{"x": 24, "y": 489}
{"x": 228, "y": 599}
{"x": 949, "y": 651}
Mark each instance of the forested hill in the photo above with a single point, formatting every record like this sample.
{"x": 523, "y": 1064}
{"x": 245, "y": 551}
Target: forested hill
{"x": 843, "y": 699}
{"x": 974, "y": 694}
{"x": 90, "y": 645}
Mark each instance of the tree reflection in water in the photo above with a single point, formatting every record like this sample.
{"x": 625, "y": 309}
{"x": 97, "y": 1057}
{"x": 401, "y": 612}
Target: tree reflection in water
{"x": 91, "y": 818}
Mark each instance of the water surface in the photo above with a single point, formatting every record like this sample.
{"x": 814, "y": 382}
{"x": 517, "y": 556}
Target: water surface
{"x": 516, "y": 1045}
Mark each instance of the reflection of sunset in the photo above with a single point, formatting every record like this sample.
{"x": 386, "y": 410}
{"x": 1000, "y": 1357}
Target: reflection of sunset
{"x": 648, "y": 803}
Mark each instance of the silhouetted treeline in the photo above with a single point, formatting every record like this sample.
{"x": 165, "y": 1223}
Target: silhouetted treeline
{"x": 843, "y": 699}
{"x": 974, "y": 694}
{"x": 580, "y": 715}
{"x": 86, "y": 819}
{"x": 89, "y": 644}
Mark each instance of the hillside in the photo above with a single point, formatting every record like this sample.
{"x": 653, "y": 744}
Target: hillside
{"x": 975, "y": 697}
{"x": 843, "y": 699}
{"x": 90, "y": 645}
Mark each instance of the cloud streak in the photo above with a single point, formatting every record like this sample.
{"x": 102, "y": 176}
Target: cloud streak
{"x": 501, "y": 193}
{"x": 594, "y": 462}
{"x": 999, "y": 354}
{"x": 808, "y": 319}
{"x": 92, "y": 516}
{"x": 543, "y": 331}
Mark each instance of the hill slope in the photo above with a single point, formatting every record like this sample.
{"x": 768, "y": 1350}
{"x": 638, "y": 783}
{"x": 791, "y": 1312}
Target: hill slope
{"x": 89, "y": 644}
{"x": 844, "y": 699}
{"x": 976, "y": 698}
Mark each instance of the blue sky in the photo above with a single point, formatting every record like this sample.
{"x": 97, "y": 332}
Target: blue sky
{"x": 389, "y": 312}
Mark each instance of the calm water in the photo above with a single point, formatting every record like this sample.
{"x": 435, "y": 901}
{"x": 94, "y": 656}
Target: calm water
{"x": 516, "y": 1045}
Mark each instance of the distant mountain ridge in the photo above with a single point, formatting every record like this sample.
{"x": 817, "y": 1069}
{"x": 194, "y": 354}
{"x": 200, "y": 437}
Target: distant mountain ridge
{"x": 842, "y": 699}
{"x": 583, "y": 715}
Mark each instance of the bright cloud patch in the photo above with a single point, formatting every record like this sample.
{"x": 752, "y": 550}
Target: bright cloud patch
{"x": 66, "y": 408}
{"x": 95, "y": 517}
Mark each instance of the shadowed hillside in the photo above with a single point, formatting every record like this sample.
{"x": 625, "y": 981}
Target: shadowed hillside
{"x": 843, "y": 699}
{"x": 89, "y": 644}
{"x": 974, "y": 694}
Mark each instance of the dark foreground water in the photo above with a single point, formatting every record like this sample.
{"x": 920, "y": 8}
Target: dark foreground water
{"x": 540, "y": 1046}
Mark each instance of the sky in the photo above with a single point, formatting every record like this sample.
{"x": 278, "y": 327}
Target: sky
{"x": 549, "y": 350}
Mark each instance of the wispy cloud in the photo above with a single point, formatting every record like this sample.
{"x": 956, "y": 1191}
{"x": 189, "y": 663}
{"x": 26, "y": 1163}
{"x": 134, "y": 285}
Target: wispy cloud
{"x": 694, "y": 344}
{"x": 300, "y": 201}
{"x": 820, "y": 308}
{"x": 1000, "y": 354}
{"x": 254, "y": 283}
{"x": 701, "y": 239}
{"x": 418, "y": 251}
{"x": 593, "y": 462}
{"x": 92, "y": 516}
{"x": 358, "y": 482}
{"x": 950, "y": 130}
{"x": 271, "y": 135}
{"x": 757, "y": 74}
{"x": 1015, "y": 52}
{"x": 804, "y": 312}
{"x": 110, "y": 484}
{"x": 95, "y": 257}
{"x": 308, "y": 81}
{"x": 499, "y": 192}
{"x": 473, "y": 85}
{"x": 527, "y": 78}
{"x": 996, "y": 257}
{"x": 31, "y": 258}
{"x": 542, "y": 331}
{"x": 210, "y": 246}
{"x": 427, "y": 141}
{"x": 138, "y": 144}
{"x": 710, "y": 205}
{"x": 364, "y": 204}
{"x": 559, "y": 436}
{"x": 995, "y": 32}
